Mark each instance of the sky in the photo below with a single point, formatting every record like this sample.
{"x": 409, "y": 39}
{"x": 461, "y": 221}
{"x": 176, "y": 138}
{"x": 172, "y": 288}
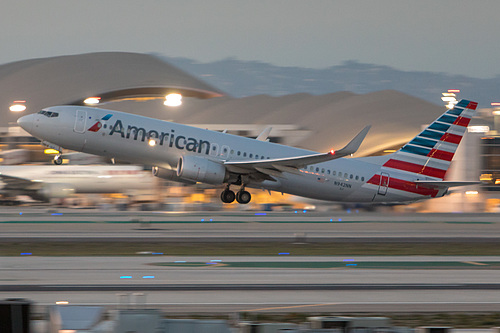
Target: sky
{"x": 450, "y": 36}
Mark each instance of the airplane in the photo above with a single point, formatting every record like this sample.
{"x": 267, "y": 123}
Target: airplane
{"x": 45, "y": 182}
{"x": 188, "y": 154}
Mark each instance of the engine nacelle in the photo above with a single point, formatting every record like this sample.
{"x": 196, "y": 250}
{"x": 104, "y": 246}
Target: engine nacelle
{"x": 55, "y": 191}
{"x": 201, "y": 169}
{"x": 169, "y": 175}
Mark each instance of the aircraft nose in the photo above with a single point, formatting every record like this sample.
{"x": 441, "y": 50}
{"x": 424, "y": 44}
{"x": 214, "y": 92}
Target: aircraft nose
{"x": 26, "y": 122}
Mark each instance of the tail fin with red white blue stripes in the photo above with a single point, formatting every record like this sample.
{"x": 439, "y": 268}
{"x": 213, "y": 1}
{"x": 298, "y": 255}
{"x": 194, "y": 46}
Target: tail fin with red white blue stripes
{"x": 429, "y": 154}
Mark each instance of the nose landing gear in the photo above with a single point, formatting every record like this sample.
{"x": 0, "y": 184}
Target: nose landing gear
{"x": 57, "y": 159}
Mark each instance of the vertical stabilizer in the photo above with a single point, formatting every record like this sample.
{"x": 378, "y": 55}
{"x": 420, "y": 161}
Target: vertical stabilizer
{"x": 429, "y": 154}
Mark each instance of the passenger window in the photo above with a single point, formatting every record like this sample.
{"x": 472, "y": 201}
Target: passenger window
{"x": 251, "y": 155}
{"x": 317, "y": 169}
{"x": 362, "y": 179}
{"x": 345, "y": 175}
{"x": 232, "y": 151}
{"x": 351, "y": 176}
{"x": 328, "y": 171}
{"x": 239, "y": 153}
{"x": 245, "y": 154}
{"x": 322, "y": 170}
{"x": 357, "y": 177}
{"x": 256, "y": 157}
{"x": 311, "y": 168}
{"x": 262, "y": 157}
{"x": 334, "y": 173}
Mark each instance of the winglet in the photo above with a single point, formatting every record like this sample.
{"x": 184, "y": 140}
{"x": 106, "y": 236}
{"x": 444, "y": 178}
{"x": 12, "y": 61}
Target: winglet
{"x": 265, "y": 133}
{"x": 352, "y": 146}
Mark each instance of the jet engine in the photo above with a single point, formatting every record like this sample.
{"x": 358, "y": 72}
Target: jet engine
{"x": 201, "y": 170}
{"x": 169, "y": 175}
{"x": 54, "y": 191}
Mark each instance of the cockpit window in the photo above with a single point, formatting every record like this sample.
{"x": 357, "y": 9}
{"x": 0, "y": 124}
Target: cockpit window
{"x": 49, "y": 114}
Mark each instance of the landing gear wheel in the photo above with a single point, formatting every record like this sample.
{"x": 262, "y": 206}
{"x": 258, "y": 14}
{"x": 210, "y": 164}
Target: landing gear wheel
{"x": 58, "y": 160}
{"x": 243, "y": 197}
{"x": 227, "y": 196}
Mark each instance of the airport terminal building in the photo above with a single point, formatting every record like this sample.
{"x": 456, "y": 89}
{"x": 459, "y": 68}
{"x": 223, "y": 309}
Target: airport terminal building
{"x": 139, "y": 84}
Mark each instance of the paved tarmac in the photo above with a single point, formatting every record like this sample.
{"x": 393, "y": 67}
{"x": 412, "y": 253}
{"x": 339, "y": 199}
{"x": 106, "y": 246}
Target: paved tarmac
{"x": 281, "y": 283}
{"x": 216, "y": 288}
{"x": 81, "y": 225}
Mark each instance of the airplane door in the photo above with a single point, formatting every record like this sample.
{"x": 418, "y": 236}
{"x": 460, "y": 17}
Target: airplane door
{"x": 80, "y": 121}
{"x": 214, "y": 149}
{"x": 224, "y": 152}
{"x": 384, "y": 183}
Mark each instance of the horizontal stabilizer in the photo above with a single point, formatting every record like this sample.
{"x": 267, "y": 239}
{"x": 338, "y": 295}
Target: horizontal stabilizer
{"x": 446, "y": 184}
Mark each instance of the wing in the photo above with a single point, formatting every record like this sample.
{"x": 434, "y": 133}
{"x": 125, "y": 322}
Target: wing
{"x": 16, "y": 183}
{"x": 274, "y": 167}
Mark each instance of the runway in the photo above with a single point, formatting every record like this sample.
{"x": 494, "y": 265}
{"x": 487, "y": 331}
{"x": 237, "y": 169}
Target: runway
{"x": 212, "y": 289}
{"x": 279, "y": 283}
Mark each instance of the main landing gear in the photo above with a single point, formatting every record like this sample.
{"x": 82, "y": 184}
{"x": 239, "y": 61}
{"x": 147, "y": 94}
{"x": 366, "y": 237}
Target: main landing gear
{"x": 242, "y": 196}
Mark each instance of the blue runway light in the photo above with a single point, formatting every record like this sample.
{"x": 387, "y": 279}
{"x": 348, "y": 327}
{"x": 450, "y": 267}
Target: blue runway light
{"x": 283, "y": 253}
{"x": 211, "y": 220}
{"x": 56, "y": 214}
{"x": 352, "y": 265}
{"x": 125, "y": 277}
{"x": 305, "y": 211}
{"x": 295, "y": 212}
{"x": 340, "y": 220}
{"x": 331, "y": 220}
{"x": 179, "y": 261}
{"x": 26, "y": 253}
{"x": 215, "y": 260}
{"x": 348, "y": 259}
{"x": 157, "y": 253}
{"x": 211, "y": 263}
{"x": 148, "y": 277}
{"x": 20, "y": 213}
{"x": 260, "y": 214}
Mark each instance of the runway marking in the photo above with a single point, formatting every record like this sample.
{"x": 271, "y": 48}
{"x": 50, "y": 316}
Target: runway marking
{"x": 290, "y": 307}
{"x": 475, "y": 263}
{"x": 403, "y": 265}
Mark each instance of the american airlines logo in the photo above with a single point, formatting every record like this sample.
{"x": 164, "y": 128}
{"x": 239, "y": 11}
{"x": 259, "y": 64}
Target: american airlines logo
{"x": 162, "y": 138}
{"x": 97, "y": 126}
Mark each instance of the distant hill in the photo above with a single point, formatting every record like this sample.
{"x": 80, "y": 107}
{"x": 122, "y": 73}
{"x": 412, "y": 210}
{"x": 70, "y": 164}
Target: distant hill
{"x": 248, "y": 78}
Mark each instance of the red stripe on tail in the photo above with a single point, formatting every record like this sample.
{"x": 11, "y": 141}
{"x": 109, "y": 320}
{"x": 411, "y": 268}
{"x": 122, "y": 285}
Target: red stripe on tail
{"x": 462, "y": 121}
{"x": 472, "y": 105}
{"x": 415, "y": 168}
{"x": 452, "y": 138}
{"x": 441, "y": 155}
